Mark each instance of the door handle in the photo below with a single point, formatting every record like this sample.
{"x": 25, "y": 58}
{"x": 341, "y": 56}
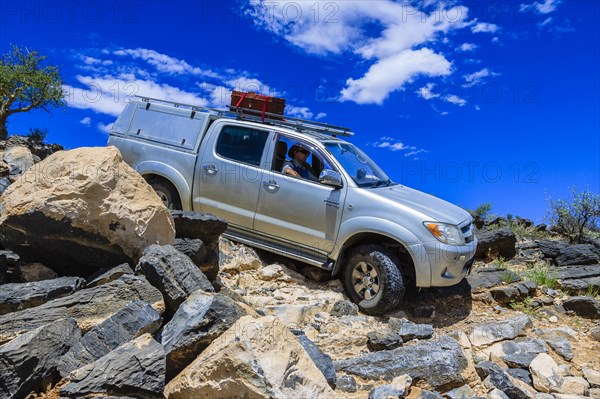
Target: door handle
{"x": 271, "y": 185}
{"x": 211, "y": 169}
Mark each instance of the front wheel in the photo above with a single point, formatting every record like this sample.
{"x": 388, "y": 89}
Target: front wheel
{"x": 166, "y": 192}
{"x": 373, "y": 279}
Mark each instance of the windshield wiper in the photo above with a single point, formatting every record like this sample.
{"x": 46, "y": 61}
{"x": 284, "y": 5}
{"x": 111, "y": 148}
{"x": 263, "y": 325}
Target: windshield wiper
{"x": 382, "y": 182}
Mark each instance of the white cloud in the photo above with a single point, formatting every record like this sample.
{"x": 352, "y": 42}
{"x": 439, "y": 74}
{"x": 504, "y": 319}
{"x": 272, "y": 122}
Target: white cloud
{"x": 385, "y": 32}
{"x": 298, "y": 112}
{"x": 545, "y": 7}
{"x": 163, "y": 62}
{"x": 390, "y": 74}
{"x": 484, "y": 27}
{"x": 104, "y": 128}
{"x": 477, "y": 77}
{"x": 467, "y": 47}
{"x": 412, "y": 153}
{"x": 252, "y": 84}
{"x": 545, "y": 22}
{"x": 320, "y": 115}
{"x": 392, "y": 144}
{"x": 86, "y": 121}
{"x": 496, "y": 40}
{"x": 454, "y": 99}
{"x": 426, "y": 92}
{"x": 477, "y": 108}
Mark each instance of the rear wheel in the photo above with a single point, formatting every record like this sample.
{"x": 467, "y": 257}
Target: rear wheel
{"x": 166, "y": 192}
{"x": 373, "y": 279}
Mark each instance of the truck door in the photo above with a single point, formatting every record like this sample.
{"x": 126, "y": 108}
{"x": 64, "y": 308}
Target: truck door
{"x": 228, "y": 174}
{"x": 297, "y": 212}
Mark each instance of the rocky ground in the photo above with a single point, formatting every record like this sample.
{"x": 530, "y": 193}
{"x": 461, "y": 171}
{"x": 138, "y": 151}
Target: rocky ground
{"x": 96, "y": 301}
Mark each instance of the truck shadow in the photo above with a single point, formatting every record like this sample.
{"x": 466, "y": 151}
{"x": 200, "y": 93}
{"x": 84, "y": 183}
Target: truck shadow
{"x": 441, "y": 307}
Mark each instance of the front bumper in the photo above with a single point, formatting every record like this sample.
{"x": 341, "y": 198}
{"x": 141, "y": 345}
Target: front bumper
{"x": 449, "y": 264}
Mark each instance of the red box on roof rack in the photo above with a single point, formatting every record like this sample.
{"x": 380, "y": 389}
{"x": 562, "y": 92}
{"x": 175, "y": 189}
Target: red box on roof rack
{"x": 259, "y": 103}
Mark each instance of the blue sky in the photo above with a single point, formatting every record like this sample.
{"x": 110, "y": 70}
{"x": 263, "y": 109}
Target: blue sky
{"x": 472, "y": 101}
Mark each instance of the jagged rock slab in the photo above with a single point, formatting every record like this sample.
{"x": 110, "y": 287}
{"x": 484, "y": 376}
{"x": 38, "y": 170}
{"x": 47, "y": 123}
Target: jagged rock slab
{"x": 580, "y": 254}
{"x": 135, "y": 369}
{"x": 482, "y": 279}
{"x": 488, "y": 333}
{"x": 133, "y": 320}
{"x": 94, "y": 201}
{"x": 408, "y": 330}
{"x": 173, "y": 273}
{"x": 584, "y": 306}
{"x": 322, "y": 361}
{"x": 88, "y": 306}
{"x": 203, "y": 226}
{"x": 513, "y": 292}
{"x": 108, "y": 274}
{"x": 255, "y": 358}
{"x": 579, "y": 278}
{"x": 495, "y": 243}
{"x": 383, "y": 340}
{"x": 206, "y": 257}
{"x": 201, "y": 319}
{"x": 496, "y": 377}
{"x": 441, "y": 363}
{"x": 30, "y": 358}
{"x": 558, "y": 341}
{"x": 20, "y": 296}
{"x": 518, "y": 353}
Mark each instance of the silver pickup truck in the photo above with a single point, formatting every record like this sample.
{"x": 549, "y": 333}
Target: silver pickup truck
{"x": 339, "y": 212}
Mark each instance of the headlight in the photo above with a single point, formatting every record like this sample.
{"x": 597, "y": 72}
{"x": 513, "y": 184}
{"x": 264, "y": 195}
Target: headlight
{"x": 446, "y": 233}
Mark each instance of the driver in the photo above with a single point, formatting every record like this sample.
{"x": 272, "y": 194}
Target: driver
{"x": 297, "y": 166}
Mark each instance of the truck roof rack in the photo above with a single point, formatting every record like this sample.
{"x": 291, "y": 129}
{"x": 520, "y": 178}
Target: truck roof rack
{"x": 257, "y": 116}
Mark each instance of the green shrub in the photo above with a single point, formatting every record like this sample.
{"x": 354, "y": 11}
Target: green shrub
{"x": 574, "y": 216}
{"x": 37, "y": 135}
{"x": 543, "y": 275}
{"x": 481, "y": 211}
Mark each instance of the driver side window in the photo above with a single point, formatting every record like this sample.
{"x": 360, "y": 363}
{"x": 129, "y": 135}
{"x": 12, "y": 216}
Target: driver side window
{"x": 307, "y": 165}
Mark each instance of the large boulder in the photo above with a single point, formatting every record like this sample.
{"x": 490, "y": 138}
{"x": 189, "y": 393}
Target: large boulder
{"x": 581, "y": 254}
{"x": 518, "y": 353}
{"x": 173, "y": 273}
{"x": 496, "y": 243}
{"x": 18, "y": 158}
{"x": 30, "y": 358}
{"x": 255, "y": 358}
{"x": 441, "y": 363}
{"x": 88, "y": 306}
{"x": 545, "y": 373}
{"x": 488, "y": 333}
{"x": 133, "y": 320}
{"x": 578, "y": 278}
{"x": 19, "y": 296}
{"x": 201, "y": 319}
{"x": 584, "y": 306}
{"x": 136, "y": 369}
{"x": 90, "y": 199}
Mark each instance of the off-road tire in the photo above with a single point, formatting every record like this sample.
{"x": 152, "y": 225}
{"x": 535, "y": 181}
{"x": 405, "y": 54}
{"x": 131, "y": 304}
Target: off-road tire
{"x": 166, "y": 192}
{"x": 384, "y": 266}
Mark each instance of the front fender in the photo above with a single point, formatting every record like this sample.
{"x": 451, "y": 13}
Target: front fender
{"x": 171, "y": 174}
{"x": 393, "y": 231}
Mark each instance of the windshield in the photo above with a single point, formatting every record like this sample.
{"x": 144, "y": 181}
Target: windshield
{"x": 363, "y": 170}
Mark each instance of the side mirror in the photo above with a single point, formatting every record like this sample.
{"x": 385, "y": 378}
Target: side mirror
{"x": 330, "y": 178}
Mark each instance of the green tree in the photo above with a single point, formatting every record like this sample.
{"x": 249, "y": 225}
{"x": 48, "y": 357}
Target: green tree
{"x": 25, "y": 84}
{"x": 572, "y": 217}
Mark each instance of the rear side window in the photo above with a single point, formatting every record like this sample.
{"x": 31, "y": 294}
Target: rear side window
{"x": 242, "y": 144}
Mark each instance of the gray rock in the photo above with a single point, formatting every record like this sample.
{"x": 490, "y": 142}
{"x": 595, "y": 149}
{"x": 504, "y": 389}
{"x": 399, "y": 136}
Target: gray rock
{"x": 545, "y": 373}
{"x": 484, "y": 278}
{"x": 30, "y": 272}
{"x": 30, "y": 358}
{"x": 562, "y": 346}
{"x": 173, "y": 273}
{"x": 551, "y": 249}
{"x": 579, "y": 278}
{"x": 134, "y": 319}
{"x": 505, "y": 294}
{"x": 88, "y": 306}
{"x": 520, "y": 374}
{"x": 108, "y": 274}
{"x": 584, "y": 306}
{"x": 202, "y": 226}
{"x": 383, "y": 340}
{"x": 4, "y": 183}
{"x": 385, "y": 392}
{"x": 321, "y": 360}
{"x": 494, "y": 376}
{"x": 488, "y": 333}
{"x": 135, "y": 369}
{"x": 580, "y": 254}
{"x": 441, "y": 363}
{"x": 205, "y": 257}
{"x": 520, "y": 353}
{"x": 595, "y": 333}
{"x": 344, "y": 308}
{"x": 20, "y": 296}
{"x": 408, "y": 330}
{"x": 201, "y": 319}
{"x": 592, "y": 376}
{"x": 346, "y": 383}
{"x": 464, "y": 392}
{"x": 496, "y": 243}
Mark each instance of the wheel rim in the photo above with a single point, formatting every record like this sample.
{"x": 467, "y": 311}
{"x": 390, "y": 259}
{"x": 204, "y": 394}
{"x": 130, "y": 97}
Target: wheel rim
{"x": 365, "y": 280}
{"x": 163, "y": 197}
